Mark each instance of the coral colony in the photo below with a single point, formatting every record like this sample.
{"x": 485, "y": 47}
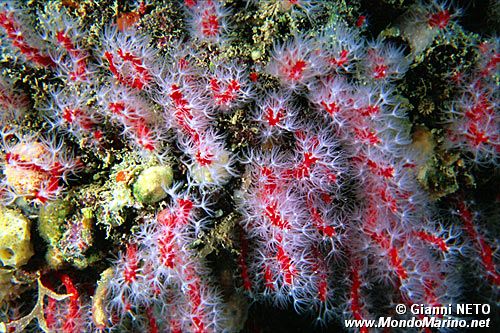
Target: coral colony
{"x": 332, "y": 218}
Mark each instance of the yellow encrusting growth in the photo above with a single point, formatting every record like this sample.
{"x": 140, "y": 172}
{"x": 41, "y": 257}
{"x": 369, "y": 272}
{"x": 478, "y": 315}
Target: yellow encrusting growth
{"x": 15, "y": 238}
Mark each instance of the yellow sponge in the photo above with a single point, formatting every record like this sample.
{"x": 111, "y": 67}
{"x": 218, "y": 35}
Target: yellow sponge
{"x": 15, "y": 238}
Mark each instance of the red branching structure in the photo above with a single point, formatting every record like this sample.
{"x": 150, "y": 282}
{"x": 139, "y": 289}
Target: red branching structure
{"x": 139, "y": 79}
{"x": 223, "y": 96}
{"x": 440, "y": 19}
{"x": 434, "y": 240}
{"x": 128, "y": 57}
{"x": 132, "y": 119}
{"x": 72, "y": 115}
{"x": 192, "y": 125}
{"x": 242, "y": 261}
{"x": 474, "y": 120}
{"x": 78, "y": 57}
{"x": 480, "y": 244}
{"x": 17, "y": 36}
{"x": 189, "y": 110}
{"x": 440, "y": 14}
{"x": 355, "y": 297}
{"x": 170, "y": 262}
{"x": 208, "y": 20}
{"x": 73, "y": 318}
{"x": 81, "y": 119}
